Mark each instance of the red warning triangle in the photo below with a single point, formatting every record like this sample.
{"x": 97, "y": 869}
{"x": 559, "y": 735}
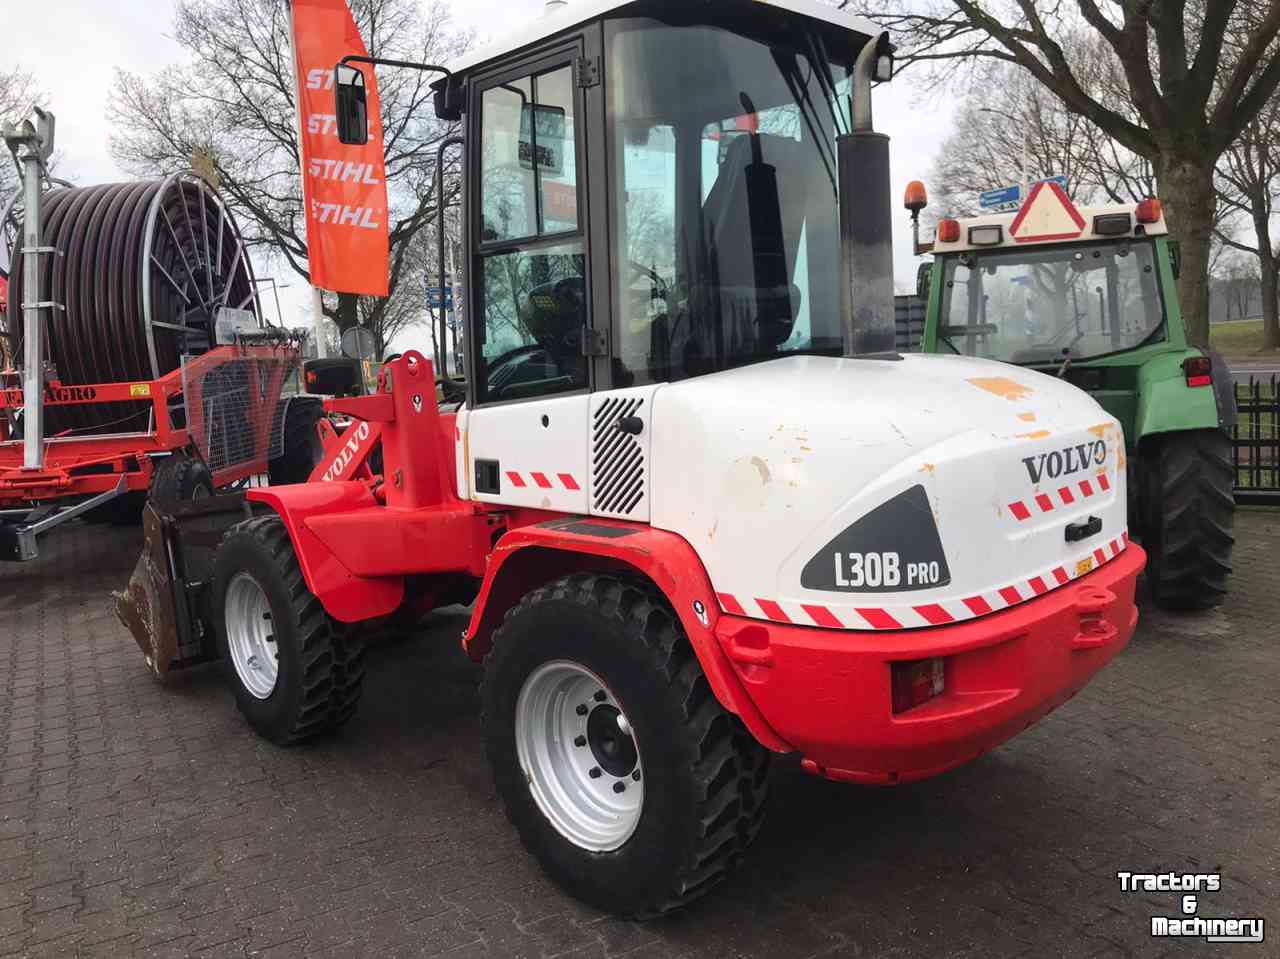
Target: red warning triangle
{"x": 1047, "y": 215}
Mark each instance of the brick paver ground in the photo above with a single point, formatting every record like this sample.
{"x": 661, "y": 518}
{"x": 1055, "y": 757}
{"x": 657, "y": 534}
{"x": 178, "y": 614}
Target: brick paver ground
{"x": 141, "y": 819}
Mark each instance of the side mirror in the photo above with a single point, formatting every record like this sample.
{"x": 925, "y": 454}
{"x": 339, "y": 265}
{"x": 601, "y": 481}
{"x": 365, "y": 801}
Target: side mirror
{"x": 352, "y": 105}
{"x": 332, "y": 377}
{"x": 924, "y": 280}
{"x": 1175, "y": 258}
{"x": 545, "y": 126}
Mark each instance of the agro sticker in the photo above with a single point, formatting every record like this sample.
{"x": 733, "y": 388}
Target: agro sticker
{"x": 1084, "y": 566}
{"x": 140, "y": 389}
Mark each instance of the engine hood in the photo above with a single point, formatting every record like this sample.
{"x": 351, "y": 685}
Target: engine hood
{"x": 873, "y": 494}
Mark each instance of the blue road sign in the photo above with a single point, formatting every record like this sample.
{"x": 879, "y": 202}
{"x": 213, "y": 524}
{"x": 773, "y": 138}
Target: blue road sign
{"x": 993, "y": 199}
{"x": 1010, "y": 194}
{"x": 435, "y": 299}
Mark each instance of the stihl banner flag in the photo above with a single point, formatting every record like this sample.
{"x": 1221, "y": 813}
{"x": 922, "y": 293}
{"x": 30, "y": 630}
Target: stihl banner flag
{"x": 344, "y": 187}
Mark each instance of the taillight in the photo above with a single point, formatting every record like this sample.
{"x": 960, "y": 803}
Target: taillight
{"x": 1198, "y": 370}
{"x": 949, "y": 231}
{"x": 917, "y": 682}
{"x": 1150, "y": 211}
{"x": 311, "y": 377}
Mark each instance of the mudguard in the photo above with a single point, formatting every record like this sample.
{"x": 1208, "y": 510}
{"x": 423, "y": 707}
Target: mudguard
{"x": 345, "y": 596}
{"x": 1167, "y": 405}
{"x": 532, "y": 555}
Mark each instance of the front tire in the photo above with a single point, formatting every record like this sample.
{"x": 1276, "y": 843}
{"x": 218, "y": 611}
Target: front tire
{"x": 624, "y": 776}
{"x": 293, "y": 676}
{"x": 1188, "y": 519}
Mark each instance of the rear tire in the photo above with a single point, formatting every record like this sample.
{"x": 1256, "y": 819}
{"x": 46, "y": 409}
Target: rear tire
{"x": 180, "y": 479}
{"x": 302, "y": 448}
{"x": 1188, "y": 519}
{"x": 703, "y": 780}
{"x": 315, "y": 682}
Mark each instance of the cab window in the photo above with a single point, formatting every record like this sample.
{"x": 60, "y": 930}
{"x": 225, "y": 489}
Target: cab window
{"x": 533, "y": 256}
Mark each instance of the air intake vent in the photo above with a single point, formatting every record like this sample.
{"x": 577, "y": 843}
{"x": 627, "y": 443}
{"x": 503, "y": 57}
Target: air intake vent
{"x": 617, "y": 459}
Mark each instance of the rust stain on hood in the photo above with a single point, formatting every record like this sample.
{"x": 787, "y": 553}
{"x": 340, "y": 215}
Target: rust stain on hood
{"x": 1002, "y": 386}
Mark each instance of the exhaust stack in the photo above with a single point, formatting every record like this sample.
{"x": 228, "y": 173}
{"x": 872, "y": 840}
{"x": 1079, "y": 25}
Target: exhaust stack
{"x": 866, "y": 215}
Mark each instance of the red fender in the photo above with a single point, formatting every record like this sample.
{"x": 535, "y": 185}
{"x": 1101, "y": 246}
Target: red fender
{"x": 346, "y": 597}
{"x": 531, "y": 555}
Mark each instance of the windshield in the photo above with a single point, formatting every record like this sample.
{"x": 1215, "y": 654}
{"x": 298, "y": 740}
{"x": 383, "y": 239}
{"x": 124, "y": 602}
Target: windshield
{"x": 724, "y": 207}
{"x": 1046, "y": 304}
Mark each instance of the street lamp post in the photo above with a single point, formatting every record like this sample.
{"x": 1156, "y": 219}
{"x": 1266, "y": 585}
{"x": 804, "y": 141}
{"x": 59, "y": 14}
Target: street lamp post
{"x": 1026, "y": 175}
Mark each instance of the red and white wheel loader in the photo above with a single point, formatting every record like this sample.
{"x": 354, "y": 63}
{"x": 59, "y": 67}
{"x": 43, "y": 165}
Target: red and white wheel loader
{"x": 706, "y": 513}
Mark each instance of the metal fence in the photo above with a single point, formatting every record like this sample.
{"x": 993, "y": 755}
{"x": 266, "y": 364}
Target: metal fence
{"x": 1256, "y": 441}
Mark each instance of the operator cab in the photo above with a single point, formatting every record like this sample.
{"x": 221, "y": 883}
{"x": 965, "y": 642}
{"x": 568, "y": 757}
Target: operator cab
{"x": 653, "y": 194}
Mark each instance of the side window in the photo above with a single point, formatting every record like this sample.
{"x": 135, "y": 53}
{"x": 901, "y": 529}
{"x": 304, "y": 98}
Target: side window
{"x": 533, "y": 255}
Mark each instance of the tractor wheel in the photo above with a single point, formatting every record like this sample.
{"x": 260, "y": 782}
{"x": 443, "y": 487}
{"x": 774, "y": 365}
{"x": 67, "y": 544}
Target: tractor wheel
{"x": 1188, "y": 516}
{"x": 624, "y": 776}
{"x": 180, "y": 479}
{"x": 294, "y": 677}
{"x": 302, "y": 448}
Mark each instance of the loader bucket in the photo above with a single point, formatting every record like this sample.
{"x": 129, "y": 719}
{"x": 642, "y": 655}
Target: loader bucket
{"x": 165, "y": 605}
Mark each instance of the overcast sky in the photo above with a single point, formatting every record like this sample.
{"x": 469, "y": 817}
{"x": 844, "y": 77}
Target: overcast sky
{"x": 72, "y": 47}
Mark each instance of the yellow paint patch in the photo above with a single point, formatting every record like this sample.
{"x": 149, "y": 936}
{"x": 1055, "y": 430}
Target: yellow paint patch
{"x": 1003, "y": 386}
{"x": 1100, "y": 431}
{"x": 1037, "y": 435}
{"x": 928, "y": 468}
{"x": 1027, "y": 417}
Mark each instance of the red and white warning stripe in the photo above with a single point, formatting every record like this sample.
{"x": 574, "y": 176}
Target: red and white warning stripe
{"x": 1068, "y": 495}
{"x": 930, "y": 614}
{"x": 543, "y": 481}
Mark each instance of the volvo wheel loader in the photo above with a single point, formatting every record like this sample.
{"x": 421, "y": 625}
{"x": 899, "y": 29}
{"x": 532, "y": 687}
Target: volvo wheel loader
{"x": 706, "y": 513}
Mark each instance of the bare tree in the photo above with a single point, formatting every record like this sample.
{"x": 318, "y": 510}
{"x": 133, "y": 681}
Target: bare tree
{"x": 1249, "y": 184}
{"x": 233, "y": 101}
{"x": 18, "y": 94}
{"x": 1193, "y": 93}
{"x": 1010, "y": 110}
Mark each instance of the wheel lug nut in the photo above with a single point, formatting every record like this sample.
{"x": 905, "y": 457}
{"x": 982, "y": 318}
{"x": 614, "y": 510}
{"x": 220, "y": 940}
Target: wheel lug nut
{"x": 595, "y": 772}
{"x": 619, "y": 787}
{"x": 600, "y": 696}
{"x": 580, "y": 741}
{"x": 582, "y": 710}
{"x": 636, "y": 775}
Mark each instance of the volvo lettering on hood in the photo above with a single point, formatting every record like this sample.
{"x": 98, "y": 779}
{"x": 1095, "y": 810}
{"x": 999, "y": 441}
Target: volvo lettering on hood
{"x": 1064, "y": 462}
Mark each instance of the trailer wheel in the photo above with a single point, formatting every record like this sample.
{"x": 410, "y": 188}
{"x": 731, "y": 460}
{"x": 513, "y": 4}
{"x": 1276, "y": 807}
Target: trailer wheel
{"x": 302, "y": 448}
{"x": 1189, "y": 514}
{"x": 624, "y": 776}
{"x": 181, "y": 479}
{"x": 294, "y": 677}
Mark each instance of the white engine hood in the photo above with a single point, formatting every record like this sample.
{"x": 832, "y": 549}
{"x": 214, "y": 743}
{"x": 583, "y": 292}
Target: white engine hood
{"x": 769, "y": 472}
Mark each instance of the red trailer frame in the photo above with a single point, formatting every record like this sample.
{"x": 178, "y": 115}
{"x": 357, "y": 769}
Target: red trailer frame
{"x": 104, "y": 466}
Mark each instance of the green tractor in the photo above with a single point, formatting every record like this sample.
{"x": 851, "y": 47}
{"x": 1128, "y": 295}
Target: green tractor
{"x": 1089, "y": 295}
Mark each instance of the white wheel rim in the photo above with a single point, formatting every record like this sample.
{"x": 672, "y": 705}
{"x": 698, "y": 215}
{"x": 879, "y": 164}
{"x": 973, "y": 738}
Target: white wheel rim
{"x": 251, "y": 638}
{"x": 579, "y": 756}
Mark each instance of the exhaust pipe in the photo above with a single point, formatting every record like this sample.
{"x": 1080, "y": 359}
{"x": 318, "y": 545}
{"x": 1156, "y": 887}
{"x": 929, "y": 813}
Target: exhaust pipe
{"x": 866, "y": 216}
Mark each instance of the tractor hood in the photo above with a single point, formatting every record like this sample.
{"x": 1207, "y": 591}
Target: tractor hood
{"x": 874, "y": 494}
